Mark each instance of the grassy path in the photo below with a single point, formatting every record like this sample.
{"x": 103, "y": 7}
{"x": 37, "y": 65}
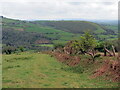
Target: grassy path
{"x": 35, "y": 70}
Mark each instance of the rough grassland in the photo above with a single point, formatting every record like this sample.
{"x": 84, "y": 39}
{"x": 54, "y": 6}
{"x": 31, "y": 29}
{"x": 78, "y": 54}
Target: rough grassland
{"x": 36, "y": 70}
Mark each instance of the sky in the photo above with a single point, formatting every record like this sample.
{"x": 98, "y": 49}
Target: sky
{"x": 59, "y": 9}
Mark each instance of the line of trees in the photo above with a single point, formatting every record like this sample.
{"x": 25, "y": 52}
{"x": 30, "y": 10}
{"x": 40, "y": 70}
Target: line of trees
{"x": 89, "y": 45}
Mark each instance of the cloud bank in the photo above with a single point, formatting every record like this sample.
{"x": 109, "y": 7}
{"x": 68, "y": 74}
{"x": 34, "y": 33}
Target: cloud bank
{"x": 62, "y": 9}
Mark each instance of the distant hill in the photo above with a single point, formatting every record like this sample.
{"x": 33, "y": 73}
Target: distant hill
{"x": 50, "y": 32}
{"x": 75, "y": 26}
{"x": 107, "y": 22}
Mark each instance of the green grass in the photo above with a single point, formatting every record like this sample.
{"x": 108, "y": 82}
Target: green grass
{"x": 50, "y": 32}
{"x": 71, "y": 26}
{"x": 99, "y": 30}
{"x": 113, "y": 27}
{"x": 46, "y": 45}
{"x": 108, "y": 37}
{"x": 36, "y": 70}
{"x": 41, "y": 29}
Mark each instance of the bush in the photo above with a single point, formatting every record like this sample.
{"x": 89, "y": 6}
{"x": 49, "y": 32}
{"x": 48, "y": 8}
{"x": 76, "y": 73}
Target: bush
{"x": 8, "y": 49}
{"x": 59, "y": 45}
{"x": 12, "y": 49}
{"x": 100, "y": 47}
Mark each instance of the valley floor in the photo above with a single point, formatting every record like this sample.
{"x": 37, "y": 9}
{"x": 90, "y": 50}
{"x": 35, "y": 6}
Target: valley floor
{"x": 37, "y": 70}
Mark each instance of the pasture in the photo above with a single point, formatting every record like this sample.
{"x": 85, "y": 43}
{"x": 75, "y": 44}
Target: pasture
{"x": 37, "y": 70}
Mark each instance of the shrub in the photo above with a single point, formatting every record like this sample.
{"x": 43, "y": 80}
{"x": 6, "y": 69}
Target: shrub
{"x": 8, "y": 49}
{"x": 59, "y": 45}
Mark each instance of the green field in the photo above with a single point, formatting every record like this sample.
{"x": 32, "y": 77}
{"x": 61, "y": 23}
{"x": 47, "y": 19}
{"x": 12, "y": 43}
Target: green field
{"x": 46, "y": 45}
{"x": 56, "y": 31}
{"x": 113, "y": 27}
{"x": 37, "y": 70}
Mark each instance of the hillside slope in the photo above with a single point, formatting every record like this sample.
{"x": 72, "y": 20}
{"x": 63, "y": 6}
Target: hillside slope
{"x": 52, "y": 31}
{"x": 78, "y": 27}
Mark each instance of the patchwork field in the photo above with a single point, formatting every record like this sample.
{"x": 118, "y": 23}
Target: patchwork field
{"x": 37, "y": 70}
{"x": 53, "y": 31}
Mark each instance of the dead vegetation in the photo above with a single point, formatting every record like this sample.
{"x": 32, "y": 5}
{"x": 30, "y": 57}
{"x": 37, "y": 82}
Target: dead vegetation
{"x": 110, "y": 70}
{"x": 66, "y": 58}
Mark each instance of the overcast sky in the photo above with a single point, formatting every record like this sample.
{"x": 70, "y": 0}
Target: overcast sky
{"x": 59, "y": 9}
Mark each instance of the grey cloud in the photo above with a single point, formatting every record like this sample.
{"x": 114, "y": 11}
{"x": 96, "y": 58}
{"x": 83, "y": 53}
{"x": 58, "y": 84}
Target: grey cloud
{"x": 76, "y": 3}
{"x": 59, "y": 10}
{"x": 107, "y": 3}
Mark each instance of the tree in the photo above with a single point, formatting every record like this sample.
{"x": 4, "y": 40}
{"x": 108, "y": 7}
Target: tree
{"x": 22, "y": 49}
{"x": 72, "y": 47}
{"x": 88, "y": 44}
{"x": 109, "y": 45}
